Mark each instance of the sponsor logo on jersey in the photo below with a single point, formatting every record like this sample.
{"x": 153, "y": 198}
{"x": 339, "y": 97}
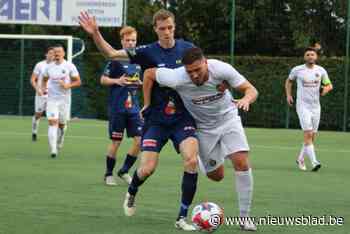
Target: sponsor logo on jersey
{"x": 207, "y": 99}
{"x": 178, "y": 61}
{"x": 149, "y": 143}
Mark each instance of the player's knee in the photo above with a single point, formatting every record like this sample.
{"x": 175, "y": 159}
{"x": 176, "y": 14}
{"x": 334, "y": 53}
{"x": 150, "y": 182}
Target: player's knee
{"x": 53, "y": 122}
{"x": 191, "y": 163}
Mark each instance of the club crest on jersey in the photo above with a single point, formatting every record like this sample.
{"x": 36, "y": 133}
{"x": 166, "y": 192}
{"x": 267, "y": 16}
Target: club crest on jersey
{"x": 63, "y": 71}
{"x": 212, "y": 162}
{"x": 317, "y": 75}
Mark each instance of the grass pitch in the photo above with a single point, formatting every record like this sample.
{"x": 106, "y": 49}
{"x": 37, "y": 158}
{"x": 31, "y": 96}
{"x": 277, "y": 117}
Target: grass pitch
{"x": 66, "y": 195}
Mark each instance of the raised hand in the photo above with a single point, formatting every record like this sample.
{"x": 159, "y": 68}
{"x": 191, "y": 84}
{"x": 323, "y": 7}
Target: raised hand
{"x": 88, "y": 23}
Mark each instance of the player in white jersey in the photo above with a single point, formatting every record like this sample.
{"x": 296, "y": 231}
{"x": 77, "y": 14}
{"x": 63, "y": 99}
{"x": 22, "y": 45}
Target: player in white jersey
{"x": 40, "y": 94}
{"x": 219, "y": 127}
{"x": 61, "y": 76}
{"x": 310, "y": 79}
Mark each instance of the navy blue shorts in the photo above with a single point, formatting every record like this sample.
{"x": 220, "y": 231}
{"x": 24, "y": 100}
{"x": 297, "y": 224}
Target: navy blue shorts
{"x": 118, "y": 122}
{"x": 156, "y": 136}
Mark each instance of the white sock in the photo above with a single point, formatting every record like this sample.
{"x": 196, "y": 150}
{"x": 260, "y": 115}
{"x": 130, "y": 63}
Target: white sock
{"x": 53, "y": 138}
{"x": 310, "y": 151}
{"x": 244, "y": 188}
{"x": 301, "y": 154}
{"x": 35, "y": 125}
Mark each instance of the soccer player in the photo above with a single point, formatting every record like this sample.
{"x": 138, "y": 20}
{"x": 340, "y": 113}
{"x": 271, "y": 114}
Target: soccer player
{"x": 40, "y": 94}
{"x": 60, "y": 77}
{"x": 310, "y": 78}
{"x": 123, "y": 108}
{"x": 219, "y": 127}
{"x": 167, "y": 118}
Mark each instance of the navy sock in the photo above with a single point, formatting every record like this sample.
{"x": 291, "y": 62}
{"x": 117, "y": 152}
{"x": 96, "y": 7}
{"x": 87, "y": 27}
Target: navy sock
{"x": 128, "y": 163}
{"x": 135, "y": 183}
{"x": 110, "y": 163}
{"x": 189, "y": 187}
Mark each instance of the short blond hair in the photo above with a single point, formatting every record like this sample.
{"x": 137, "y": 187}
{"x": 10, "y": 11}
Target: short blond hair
{"x": 126, "y": 30}
{"x": 162, "y": 14}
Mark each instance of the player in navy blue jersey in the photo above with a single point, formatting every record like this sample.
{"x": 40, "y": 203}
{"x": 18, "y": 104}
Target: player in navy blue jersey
{"x": 166, "y": 118}
{"x": 124, "y": 81}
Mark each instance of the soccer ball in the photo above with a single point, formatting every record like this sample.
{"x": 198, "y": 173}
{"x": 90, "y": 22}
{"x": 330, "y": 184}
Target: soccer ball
{"x": 207, "y": 216}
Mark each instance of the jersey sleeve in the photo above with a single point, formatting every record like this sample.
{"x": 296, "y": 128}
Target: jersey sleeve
{"x": 324, "y": 78}
{"x": 136, "y": 54}
{"x": 36, "y": 69}
{"x": 230, "y": 74}
{"x": 46, "y": 72}
{"x": 168, "y": 77}
{"x": 73, "y": 70}
{"x": 292, "y": 74}
{"x": 108, "y": 69}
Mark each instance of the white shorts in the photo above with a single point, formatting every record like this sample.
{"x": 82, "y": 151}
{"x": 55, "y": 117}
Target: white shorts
{"x": 218, "y": 143}
{"x": 58, "y": 109}
{"x": 309, "y": 118}
{"x": 40, "y": 103}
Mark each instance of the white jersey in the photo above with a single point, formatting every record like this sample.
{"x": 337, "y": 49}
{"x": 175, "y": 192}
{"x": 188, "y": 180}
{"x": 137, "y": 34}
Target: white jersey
{"x": 39, "y": 71}
{"x": 56, "y": 72}
{"x": 308, "y": 84}
{"x": 209, "y": 107}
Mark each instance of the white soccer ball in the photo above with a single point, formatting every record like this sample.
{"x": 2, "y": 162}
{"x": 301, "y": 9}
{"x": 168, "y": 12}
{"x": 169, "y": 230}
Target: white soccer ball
{"x": 207, "y": 216}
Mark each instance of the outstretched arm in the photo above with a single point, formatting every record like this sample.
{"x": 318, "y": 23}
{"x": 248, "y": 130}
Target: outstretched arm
{"x": 90, "y": 26}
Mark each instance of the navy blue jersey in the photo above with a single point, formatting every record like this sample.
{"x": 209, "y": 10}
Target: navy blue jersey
{"x": 123, "y": 99}
{"x": 166, "y": 105}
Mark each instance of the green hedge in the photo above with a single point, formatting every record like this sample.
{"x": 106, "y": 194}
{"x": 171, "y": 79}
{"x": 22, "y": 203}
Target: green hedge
{"x": 267, "y": 74}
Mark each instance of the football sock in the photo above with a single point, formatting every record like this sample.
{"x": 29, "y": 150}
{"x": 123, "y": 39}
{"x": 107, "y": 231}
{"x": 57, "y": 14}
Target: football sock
{"x": 52, "y": 134}
{"x": 310, "y": 151}
{"x": 128, "y": 163}
{"x": 35, "y": 125}
{"x": 244, "y": 188}
{"x": 301, "y": 154}
{"x": 189, "y": 187}
{"x": 135, "y": 184}
{"x": 110, "y": 163}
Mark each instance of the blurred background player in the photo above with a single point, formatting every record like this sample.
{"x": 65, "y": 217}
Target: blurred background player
{"x": 123, "y": 108}
{"x": 219, "y": 128}
{"x": 60, "y": 77}
{"x": 167, "y": 118}
{"x": 310, "y": 78}
{"x": 40, "y": 93}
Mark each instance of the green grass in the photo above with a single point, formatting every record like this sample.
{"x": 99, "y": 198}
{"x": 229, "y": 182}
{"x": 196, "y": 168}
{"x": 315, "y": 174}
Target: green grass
{"x": 40, "y": 195}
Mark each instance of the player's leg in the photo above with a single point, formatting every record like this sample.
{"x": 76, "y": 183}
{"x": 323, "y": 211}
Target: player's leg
{"x": 40, "y": 106}
{"x": 244, "y": 187}
{"x": 186, "y": 143}
{"x": 153, "y": 140}
{"x": 52, "y": 112}
{"x": 64, "y": 115}
{"x": 116, "y": 126}
{"x": 134, "y": 129}
{"x": 304, "y": 116}
{"x": 234, "y": 144}
{"x": 316, "y": 165}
